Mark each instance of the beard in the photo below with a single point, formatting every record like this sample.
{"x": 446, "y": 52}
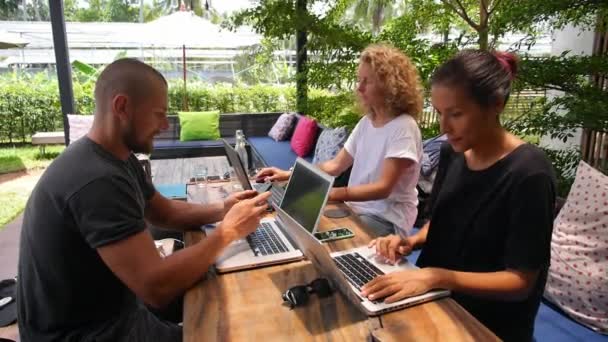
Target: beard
{"x": 130, "y": 138}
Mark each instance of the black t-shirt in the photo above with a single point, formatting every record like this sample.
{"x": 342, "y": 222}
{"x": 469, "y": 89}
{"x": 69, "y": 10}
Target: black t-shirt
{"x": 492, "y": 220}
{"x": 86, "y": 199}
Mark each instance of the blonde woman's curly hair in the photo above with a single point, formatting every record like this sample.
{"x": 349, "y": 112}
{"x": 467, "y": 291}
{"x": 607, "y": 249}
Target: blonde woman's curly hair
{"x": 400, "y": 79}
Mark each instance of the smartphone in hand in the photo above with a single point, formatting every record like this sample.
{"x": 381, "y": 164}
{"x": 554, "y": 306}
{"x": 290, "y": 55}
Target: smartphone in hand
{"x": 263, "y": 187}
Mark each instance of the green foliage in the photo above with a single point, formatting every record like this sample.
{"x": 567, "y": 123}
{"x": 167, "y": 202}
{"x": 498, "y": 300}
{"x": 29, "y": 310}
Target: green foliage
{"x": 231, "y": 99}
{"x": 524, "y": 15}
{"x": 259, "y": 64}
{"x": 333, "y": 111}
{"x": 426, "y": 56}
{"x": 377, "y": 10}
{"x": 84, "y": 68}
{"x": 30, "y": 104}
{"x": 38, "y": 10}
{"x": 13, "y": 158}
{"x": 333, "y": 47}
{"x": 430, "y": 131}
{"x": 27, "y": 105}
{"x": 11, "y": 204}
{"x": 8, "y": 9}
{"x": 107, "y": 10}
{"x": 582, "y": 105}
{"x": 14, "y": 195}
{"x": 564, "y": 162}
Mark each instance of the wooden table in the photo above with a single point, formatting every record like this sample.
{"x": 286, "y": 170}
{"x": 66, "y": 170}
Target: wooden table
{"x": 247, "y": 305}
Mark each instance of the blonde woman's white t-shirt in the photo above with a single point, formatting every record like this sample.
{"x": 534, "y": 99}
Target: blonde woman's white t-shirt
{"x": 370, "y": 146}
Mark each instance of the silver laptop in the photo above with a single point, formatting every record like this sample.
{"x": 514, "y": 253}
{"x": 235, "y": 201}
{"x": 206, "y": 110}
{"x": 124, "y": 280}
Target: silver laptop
{"x": 303, "y": 202}
{"x": 277, "y": 191}
{"x": 351, "y": 269}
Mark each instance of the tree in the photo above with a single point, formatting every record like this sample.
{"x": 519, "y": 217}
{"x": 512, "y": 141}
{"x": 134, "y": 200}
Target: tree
{"x": 8, "y": 9}
{"x": 120, "y": 11}
{"x": 372, "y": 13}
{"x": 38, "y": 10}
{"x": 107, "y": 11}
{"x": 479, "y": 20}
{"x": 70, "y": 9}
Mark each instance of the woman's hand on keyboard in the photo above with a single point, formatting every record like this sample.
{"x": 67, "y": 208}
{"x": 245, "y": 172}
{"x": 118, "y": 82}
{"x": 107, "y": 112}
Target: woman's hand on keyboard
{"x": 272, "y": 174}
{"x": 399, "y": 285}
{"x": 244, "y": 217}
{"x": 393, "y": 247}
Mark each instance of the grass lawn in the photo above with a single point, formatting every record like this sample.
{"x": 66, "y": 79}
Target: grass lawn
{"x": 12, "y": 204}
{"x": 14, "y": 194}
{"x": 14, "y": 159}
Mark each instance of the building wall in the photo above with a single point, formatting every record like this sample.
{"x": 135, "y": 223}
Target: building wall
{"x": 579, "y": 42}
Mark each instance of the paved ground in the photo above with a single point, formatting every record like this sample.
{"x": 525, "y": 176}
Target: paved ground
{"x": 9, "y": 254}
{"x": 9, "y": 248}
{"x": 9, "y": 235}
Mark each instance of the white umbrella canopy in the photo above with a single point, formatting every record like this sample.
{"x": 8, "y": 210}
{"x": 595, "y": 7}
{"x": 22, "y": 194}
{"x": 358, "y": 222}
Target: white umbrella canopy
{"x": 11, "y": 40}
{"x": 186, "y": 28}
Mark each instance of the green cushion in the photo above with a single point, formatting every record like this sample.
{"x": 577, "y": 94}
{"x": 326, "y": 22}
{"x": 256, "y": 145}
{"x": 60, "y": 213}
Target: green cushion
{"x": 199, "y": 125}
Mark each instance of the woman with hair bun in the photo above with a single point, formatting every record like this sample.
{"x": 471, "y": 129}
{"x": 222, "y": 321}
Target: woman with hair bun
{"x": 488, "y": 239}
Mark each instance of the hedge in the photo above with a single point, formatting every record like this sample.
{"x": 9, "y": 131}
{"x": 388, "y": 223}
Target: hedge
{"x": 31, "y": 104}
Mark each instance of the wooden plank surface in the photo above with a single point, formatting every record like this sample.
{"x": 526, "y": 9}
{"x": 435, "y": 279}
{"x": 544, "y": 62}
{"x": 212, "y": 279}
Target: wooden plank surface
{"x": 176, "y": 171}
{"x": 247, "y": 305}
{"x": 440, "y": 320}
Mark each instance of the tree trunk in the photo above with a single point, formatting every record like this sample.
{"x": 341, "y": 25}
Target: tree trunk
{"x": 35, "y": 3}
{"x": 483, "y": 38}
{"x": 301, "y": 57}
{"x": 482, "y": 30}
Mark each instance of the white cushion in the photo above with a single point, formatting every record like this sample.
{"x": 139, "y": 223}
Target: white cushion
{"x": 79, "y": 125}
{"x": 578, "y": 275}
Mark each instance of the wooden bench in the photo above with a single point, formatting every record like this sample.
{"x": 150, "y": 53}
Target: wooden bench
{"x": 47, "y": 138}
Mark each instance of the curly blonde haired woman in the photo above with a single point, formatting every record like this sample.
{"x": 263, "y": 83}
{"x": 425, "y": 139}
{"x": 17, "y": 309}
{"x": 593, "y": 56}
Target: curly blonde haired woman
{"x": 384, "y": 149}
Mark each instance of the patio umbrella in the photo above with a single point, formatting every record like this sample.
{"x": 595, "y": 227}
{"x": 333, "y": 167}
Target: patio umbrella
{"x": 185, "y": 29}
{"x": 180, "y": 29}
{"x": 11, "y": 40}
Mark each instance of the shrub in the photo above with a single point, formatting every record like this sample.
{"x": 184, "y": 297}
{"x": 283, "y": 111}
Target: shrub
{"x": 29, "y": 104}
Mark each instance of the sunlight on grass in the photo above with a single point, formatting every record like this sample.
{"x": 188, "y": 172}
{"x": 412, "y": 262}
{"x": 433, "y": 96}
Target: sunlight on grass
{"x": 13, "y": 159}
{"x": 12, "y": 204}
{"x": 14, "y": 195}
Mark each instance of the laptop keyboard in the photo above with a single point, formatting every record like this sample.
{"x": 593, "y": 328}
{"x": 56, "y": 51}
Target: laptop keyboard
{"x": 265, "y": 241}
{"x": 276, "y": 194}
{"x": 357, "y": 269}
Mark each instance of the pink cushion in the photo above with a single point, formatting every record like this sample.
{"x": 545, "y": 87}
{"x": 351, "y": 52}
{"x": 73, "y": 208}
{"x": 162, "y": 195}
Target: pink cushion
{"x": 303, "y": 138}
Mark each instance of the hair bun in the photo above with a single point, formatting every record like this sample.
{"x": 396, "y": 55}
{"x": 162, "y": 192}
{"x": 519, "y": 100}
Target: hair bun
{"x": 508, "y": 60}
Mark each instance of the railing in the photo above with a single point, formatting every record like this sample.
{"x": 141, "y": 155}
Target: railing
{"x": 518, "y": 104}
{"x": 594, "y": 149}
{"x": 428, "y": 118}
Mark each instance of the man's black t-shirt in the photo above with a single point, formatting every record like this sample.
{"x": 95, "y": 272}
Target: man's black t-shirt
{"x": 86, "y": 199}
{"x": 492, "y": 220}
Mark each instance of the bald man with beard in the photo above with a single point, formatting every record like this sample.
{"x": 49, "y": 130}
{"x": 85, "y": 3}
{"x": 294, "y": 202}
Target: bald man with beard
{"x": 87, "y": 262}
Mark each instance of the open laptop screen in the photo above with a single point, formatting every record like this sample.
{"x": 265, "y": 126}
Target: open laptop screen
{"x": 306, "y": 194}
{"x": 233, "y": 157}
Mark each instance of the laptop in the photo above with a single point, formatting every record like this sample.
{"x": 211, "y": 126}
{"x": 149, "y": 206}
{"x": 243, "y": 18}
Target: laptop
{"x": 305, "y": 197}
{"x": 277, "y": 192}
{"x": 351, "y": 269}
